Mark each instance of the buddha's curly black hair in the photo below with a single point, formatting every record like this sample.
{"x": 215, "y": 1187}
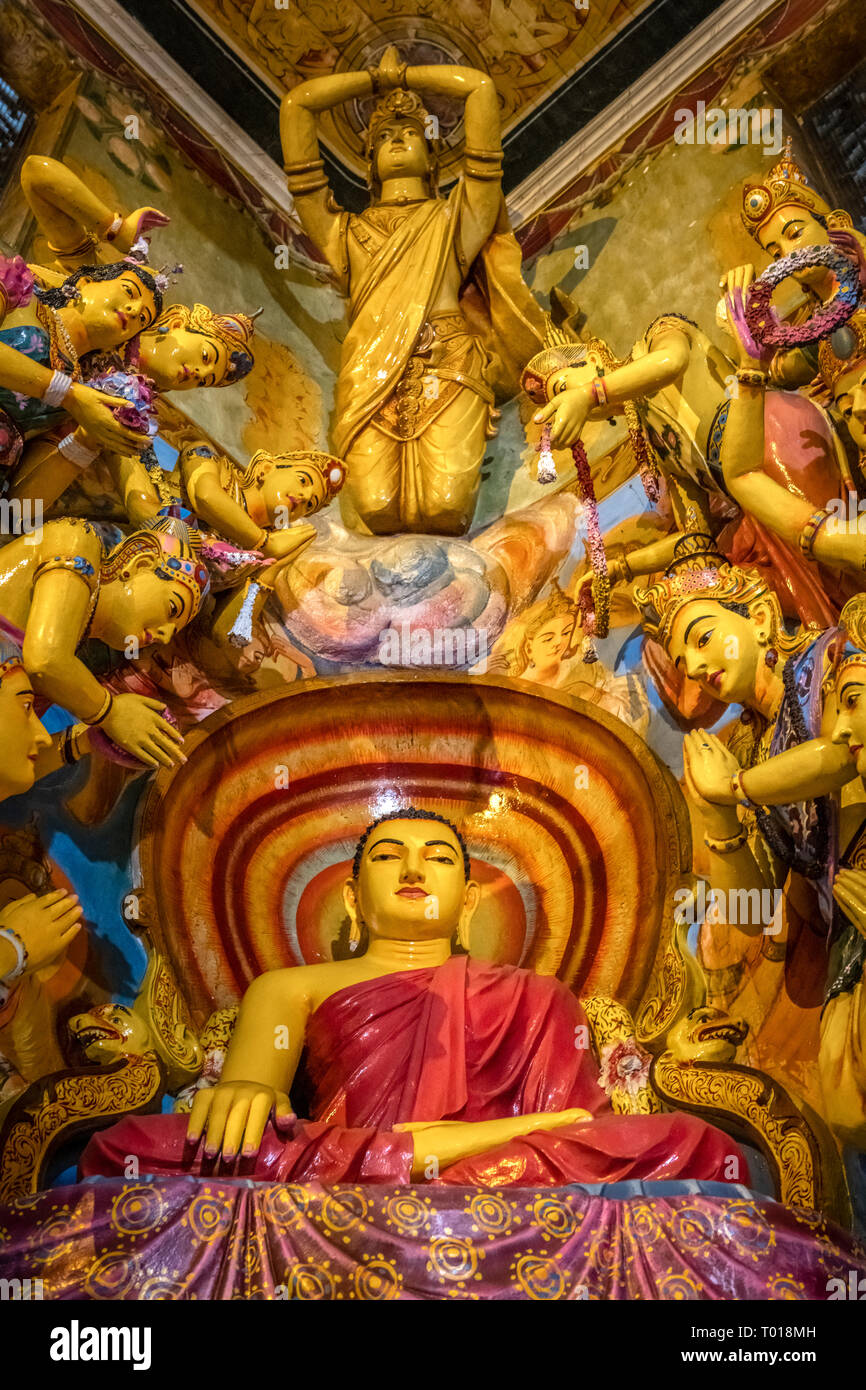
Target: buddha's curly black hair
{"x": 59, "y": 296}
{"x": 411, "y": 813}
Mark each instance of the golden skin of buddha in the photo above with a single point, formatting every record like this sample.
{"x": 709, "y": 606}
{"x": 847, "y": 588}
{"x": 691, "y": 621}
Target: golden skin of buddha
{"x": 412, "y": 897}
{"x": 181, "y": 360}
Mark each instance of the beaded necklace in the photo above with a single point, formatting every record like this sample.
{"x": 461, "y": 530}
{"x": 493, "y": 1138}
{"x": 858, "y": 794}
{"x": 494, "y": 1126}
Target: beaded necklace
{"x": 60, "y": 346}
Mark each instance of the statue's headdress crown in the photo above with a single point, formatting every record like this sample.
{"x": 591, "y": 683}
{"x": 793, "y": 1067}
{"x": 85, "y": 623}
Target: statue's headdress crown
{"x": 852, "y": 622}
{"x": 698, "y": 571}
{"x": 785, "y": 184}
{"x": 175, "y": 548}
{"x": 846, "y": 347}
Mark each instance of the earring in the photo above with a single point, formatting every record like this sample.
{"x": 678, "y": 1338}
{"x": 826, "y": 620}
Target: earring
{"x": 354, "y": 936}
{"x": 771, "y": 656}
{"x": 164, "y": 328}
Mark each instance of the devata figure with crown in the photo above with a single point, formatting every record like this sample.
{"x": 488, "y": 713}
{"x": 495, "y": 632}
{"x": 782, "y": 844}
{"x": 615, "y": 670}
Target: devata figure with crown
{"x": 415, "y": 392}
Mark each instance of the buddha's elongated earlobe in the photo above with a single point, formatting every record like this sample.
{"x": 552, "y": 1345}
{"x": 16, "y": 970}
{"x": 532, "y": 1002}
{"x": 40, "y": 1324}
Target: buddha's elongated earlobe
{"x": 354, "y": 934}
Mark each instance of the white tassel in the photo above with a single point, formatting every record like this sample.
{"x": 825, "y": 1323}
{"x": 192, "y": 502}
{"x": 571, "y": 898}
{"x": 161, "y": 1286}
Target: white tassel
{"x": 242, "y": 629}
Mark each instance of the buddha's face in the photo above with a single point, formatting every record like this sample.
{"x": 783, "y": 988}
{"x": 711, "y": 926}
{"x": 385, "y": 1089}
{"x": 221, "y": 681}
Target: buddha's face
{"x": 719, "y": 649}
{"x": 295, "y": 489}
{"x": 790, "y": 229}
{"x": 552, "y": 641}
{"x": 113, "y": 311}
{"x": 178, "y": 359}
{"x": 850, "y": 726}
{"x": 850, "y": 395}
{"x": 411, "y": 885}
{"x": 401, "y": 152}
{"x": 22, "y": 734}
{"x": 145, "y": 607}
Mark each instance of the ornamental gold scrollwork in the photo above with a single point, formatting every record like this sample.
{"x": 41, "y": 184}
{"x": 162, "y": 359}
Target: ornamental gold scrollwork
{"x": 761, "y": 1107}
{"x": 624, "y": 1065}
{"x": 679, "y": 984}
{"x": 52, "y": 1109}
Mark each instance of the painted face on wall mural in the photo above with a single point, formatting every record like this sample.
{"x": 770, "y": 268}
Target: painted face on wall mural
{"x": 181, "y": 360}
{"x": 850, "y": 395}
{"x": 401, "y": 152}
{"x": 22, "y": 733}
{"x": 792, "y": 228}
{"x": 411, "y": 885}
{"x": 719, "y": 649}
{"x": 552, "y": 641}
{"x": 850, "y": 726}
{"x": 113, "y": 311}
{"x": 295, "y": 489}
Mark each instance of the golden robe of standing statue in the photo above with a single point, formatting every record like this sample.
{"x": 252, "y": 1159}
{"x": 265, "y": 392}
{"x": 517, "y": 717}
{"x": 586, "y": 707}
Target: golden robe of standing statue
{"x": 440, "y": 319}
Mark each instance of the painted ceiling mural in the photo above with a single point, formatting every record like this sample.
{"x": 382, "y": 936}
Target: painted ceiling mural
{"x": 529, "y": 47}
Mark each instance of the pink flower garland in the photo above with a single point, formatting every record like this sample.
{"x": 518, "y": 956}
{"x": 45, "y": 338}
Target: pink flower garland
{"x": 766, "y": 327}
{"x": 594, "y": 624}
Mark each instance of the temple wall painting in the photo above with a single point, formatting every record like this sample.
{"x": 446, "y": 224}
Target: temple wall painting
{"x": 456, "y": 620}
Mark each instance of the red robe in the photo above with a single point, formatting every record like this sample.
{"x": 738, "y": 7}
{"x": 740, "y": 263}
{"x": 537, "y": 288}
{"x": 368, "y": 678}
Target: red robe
{"x": 462, "y": 1041}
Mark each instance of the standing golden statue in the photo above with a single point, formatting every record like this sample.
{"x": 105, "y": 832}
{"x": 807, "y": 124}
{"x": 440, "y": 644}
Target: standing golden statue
{"x": 415, "y": 391}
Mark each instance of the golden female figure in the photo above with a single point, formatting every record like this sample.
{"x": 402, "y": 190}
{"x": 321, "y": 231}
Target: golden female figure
{"x": 414, "y": 394}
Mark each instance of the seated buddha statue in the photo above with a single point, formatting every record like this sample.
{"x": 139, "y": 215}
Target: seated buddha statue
{"x": 681, "y": 385}
{"x": 423, "y": 1063}
{"x": 264, "y": 506}
{"x": 60, "y": 587}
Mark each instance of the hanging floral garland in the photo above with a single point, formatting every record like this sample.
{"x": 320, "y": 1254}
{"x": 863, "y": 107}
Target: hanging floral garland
{"x": 765, "y": 324}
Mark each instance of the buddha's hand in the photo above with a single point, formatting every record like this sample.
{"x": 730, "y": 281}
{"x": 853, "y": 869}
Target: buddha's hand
{"x": 233, "y": 1115}
{"x": 136, "y": 224}
{"x": 736, "y": 285}
{"x": 45, "y": 927}
{"x": 286, "y": 545}
{"x": 566, "y": 415}
{"x": 436, "y": 1144}
{"x": 849, "y": 890}
{"x": 94, "y": 412}
{"x": 136, "y": 723}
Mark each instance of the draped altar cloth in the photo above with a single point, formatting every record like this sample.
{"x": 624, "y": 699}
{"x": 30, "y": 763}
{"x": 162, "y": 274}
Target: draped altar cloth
{"x": 185, "y": 1238}
{"x": 463, "y": 1041}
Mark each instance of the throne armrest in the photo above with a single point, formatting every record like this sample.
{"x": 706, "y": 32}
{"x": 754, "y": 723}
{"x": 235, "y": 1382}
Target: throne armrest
{"x": 57, "y": 1107}
{"x": 752, "y": 1106}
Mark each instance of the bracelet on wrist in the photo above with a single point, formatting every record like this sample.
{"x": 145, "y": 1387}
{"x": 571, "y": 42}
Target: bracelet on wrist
{"x": 808, "y": 535}
{"x": 728, "y": 845}
{"x": 76, "y": 452}
{"x": 103, "y": 712}
{"x": 111, "y": 231}
{"x": 739, "y": 791}
{"x": 20, "y": 950}
{"x": 598, "y": 391}
{"x": 57, "y": 389}
{"x": 751, "y": 376}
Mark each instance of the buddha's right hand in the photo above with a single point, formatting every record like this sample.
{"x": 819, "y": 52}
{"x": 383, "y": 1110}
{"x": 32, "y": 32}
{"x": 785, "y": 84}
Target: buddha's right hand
{"x": 136, "y": 723}
{"x": 94, "y": 412}
{"x": 233, "y": 1116}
